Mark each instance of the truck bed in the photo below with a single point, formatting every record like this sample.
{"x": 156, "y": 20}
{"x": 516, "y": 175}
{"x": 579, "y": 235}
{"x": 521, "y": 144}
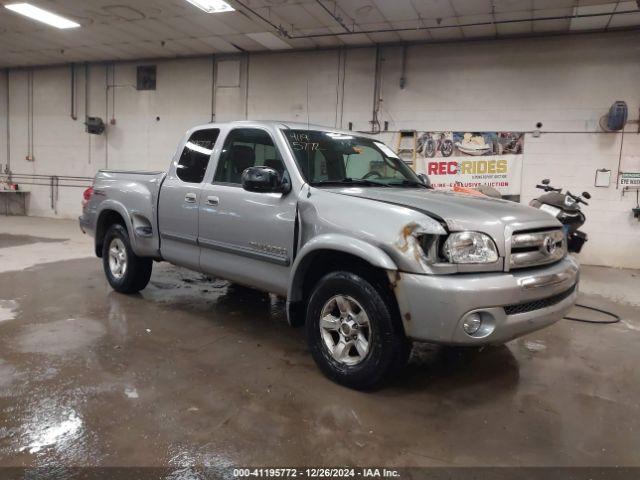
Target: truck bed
{"x": 134, "y": 195}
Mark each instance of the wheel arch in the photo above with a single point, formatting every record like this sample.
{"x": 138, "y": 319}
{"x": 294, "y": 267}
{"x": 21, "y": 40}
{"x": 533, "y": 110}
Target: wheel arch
{"x": 327, "y": 253}
{"x": 110, "y": 214}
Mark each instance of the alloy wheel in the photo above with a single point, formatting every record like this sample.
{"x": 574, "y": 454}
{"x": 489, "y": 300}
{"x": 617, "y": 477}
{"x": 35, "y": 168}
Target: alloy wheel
{"x": 117, "y": 258}
{"x": 345, "y": 329}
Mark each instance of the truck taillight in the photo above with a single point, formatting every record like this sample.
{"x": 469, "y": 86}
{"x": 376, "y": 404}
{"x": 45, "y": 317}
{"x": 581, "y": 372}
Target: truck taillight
{"x": 86, "y": 196}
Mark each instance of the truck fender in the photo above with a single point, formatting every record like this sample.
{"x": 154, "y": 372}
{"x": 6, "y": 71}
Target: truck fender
{"x": 340, "y": 243}
{"x": 114, "y": 205}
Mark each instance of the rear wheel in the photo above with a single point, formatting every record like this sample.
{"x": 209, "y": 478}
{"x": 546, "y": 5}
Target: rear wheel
{"x": 125, "y": 271}
{"x": 430, "y": 149}
{"x": 353, "y": 331}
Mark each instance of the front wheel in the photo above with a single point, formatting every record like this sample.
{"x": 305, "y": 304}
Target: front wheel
{"x": 353, "y": 331}
{"x": 126, "y": 272}
{"x": 447, "y": 148}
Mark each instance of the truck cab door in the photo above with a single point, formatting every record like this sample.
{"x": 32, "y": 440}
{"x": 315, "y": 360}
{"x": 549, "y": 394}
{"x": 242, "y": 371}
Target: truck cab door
{"x": 179, "y": 197}
{"x": 247, "y": 237}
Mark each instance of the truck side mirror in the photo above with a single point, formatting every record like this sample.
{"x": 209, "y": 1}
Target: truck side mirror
{"x": 586, "y": 195}
{"x": 425, "y": 180}
{"x": 265, "y": 180}
{"x": 546, "y": 181}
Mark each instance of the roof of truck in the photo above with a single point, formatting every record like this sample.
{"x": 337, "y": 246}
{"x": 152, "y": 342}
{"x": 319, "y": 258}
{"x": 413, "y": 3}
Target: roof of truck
{"x": 279, "y": 124}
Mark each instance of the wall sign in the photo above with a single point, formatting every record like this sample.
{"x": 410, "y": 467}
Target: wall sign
{"x": 629, "y": 179}
{"x": 472, "y": 159}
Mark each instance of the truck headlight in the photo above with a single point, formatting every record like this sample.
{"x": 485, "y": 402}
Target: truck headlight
{"x": 470, "y": 247}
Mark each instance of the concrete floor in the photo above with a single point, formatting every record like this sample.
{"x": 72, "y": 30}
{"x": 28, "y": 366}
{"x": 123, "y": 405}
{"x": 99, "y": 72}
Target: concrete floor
{"x": 193, "y": 371}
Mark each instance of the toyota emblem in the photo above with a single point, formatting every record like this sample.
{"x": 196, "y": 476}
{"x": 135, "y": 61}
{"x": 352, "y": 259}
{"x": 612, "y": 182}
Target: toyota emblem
{"x": 549, "y": 245}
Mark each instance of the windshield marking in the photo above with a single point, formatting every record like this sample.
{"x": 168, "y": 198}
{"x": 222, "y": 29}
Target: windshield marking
{"x": 326, "y": 157}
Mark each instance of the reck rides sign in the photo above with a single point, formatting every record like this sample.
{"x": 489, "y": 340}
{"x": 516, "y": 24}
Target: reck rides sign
{"x": 472, "y": 159}
{"x": 467, "y": 167}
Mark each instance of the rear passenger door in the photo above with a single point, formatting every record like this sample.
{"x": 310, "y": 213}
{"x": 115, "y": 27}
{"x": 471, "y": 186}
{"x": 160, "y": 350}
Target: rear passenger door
{"x": 179, "y": 198}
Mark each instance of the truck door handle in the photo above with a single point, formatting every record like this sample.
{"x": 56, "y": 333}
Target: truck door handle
{"x": 211, "y": 200}
{"x": 190, "y": 198}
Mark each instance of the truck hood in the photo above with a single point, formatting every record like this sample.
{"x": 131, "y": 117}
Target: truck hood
{"x": 460, "y": 211}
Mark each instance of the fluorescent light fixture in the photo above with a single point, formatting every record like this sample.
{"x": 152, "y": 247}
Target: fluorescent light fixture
{"x": 339, "y": 136}
{"x": 212, "y": 6}
{"x": 41, "y": 15}
{"x": 269, "y": 40}
{"x": 197, "y": 148}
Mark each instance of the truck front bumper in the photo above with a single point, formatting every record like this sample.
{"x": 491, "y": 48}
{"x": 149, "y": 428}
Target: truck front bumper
{"x": 510, "y": 304}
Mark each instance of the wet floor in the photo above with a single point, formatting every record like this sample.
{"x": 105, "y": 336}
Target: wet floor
{"x": 9, "y": 240}
{"x": 197, "y": 371}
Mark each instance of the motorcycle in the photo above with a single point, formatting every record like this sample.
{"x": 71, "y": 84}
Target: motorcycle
{"x": 566, "y": 208}
{"x": 429, "y": 145}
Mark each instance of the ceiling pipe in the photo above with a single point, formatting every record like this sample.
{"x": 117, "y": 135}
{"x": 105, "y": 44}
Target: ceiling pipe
{"x": 334, "y": 16}
{"x": 7, "y": 167}
{"x": 377, "y": 81}
{"x": 74, "y": 115}
{"x": 474, "y": 24}
{"x": 278, "y": 29}
{"x": 30, "y": 149}
{"x": 214, "y": 73}
{"x": 86, "y": 91}
{"x": 403, "y": 68}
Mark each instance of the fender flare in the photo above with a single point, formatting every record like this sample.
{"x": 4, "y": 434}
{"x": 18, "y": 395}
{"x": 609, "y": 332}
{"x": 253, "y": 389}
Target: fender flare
{"x": 340, "y": 243}
{"x": 120, "y": 209}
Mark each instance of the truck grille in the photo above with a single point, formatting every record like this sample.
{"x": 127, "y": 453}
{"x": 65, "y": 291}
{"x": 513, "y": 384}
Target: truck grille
{"x": 538, "y": 304}
{"x": 536, "y": 247}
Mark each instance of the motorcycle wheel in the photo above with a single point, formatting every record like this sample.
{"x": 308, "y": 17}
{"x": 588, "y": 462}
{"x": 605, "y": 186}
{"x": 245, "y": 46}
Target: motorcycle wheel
{"x": 447, "y": 148}
{"x": 430, "y": 149}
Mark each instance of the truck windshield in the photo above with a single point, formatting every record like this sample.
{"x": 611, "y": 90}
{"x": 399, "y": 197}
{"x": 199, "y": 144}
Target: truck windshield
{"x": 327, "y": 158}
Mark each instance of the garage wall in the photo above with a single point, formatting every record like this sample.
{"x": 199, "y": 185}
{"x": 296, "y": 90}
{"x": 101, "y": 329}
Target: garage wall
{"x": 566, "y": 83}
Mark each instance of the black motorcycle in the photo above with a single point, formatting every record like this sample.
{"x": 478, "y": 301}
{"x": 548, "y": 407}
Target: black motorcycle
{"x": 566, "y": 208}
{"x": 429, "y": 145}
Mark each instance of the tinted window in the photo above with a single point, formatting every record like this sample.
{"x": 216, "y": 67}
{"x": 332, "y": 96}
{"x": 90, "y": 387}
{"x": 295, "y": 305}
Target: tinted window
{"x": 244, "y": 148}
{"x": 195, "y": 156}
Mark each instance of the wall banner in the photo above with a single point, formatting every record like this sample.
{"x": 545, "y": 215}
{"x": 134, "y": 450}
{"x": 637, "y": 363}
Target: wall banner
{"x": 472, "y": 159}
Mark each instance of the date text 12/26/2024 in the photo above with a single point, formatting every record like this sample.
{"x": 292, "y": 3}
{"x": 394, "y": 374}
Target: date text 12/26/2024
{"x": 315, "y": 473}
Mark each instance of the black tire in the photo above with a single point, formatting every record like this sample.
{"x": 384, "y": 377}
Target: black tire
{"x": 447, "y": 148}
{"x": 430, "y": 149}
{"x": 138, "y": 269}
{"x": 388, "y": 349}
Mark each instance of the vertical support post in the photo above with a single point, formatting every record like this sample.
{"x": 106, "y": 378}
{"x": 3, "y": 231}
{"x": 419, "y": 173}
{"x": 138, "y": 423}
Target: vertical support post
{"x": 72, "y": 68}
{"x": 213, "y": 87}
{"x": 7, "y": 167}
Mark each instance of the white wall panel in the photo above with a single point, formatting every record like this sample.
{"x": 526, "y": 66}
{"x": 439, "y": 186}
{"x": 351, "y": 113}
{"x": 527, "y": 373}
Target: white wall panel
{"x": 281, "y": 85}
{"x": 230, "y": 89}
{"x": 149, "y": 124}
{"x": 358, "y": 88}
{"x": 59, "y": 143}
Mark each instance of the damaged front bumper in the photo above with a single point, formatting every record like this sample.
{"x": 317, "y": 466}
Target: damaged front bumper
{"x": 510, "y": 304}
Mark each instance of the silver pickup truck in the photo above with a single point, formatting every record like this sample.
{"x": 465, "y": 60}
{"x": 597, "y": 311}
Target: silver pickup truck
{"x": 367, "y": 255}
